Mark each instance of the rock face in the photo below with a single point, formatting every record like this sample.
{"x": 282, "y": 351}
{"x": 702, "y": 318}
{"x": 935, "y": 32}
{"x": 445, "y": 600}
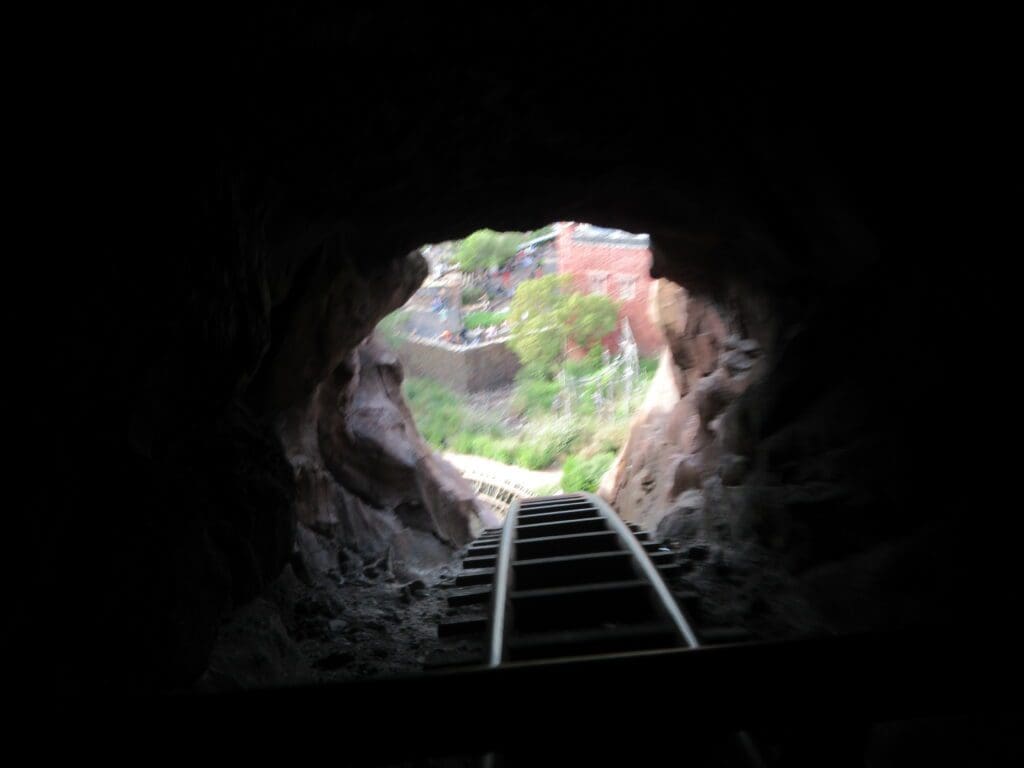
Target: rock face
{"x": 239, "y": 445}
{"x": 366, "y": 482}
{"x": 674, "y": 438}
{"x": 773, "y": 449}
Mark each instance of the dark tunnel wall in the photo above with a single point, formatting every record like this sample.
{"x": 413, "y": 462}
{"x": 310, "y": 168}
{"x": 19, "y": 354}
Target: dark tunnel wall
{"x": 225, "y": 192}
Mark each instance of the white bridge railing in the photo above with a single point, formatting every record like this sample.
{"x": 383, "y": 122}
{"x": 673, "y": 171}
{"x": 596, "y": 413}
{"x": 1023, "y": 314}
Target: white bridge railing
{"x": 497, "y": 491}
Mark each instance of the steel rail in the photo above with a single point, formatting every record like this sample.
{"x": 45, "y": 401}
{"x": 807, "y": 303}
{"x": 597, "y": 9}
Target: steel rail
{"x": 746, "y": 742}
{"x": 629, "y": 541}
{"x": 498, "y": 618}
{"x": 499, "y": 594}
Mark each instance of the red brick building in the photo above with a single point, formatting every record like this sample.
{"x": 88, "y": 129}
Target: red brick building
{"x": 614, "y": 263}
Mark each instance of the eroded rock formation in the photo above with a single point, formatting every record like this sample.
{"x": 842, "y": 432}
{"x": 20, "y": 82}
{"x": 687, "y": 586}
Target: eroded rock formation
{"x": 376, "y": 508}
{"x": 367, "y": 485}
{"x": 774, "y": 453}
{"x": 668, "y": 456}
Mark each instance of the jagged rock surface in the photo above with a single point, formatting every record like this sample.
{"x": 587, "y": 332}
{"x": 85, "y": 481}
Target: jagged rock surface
{"x": 366, "y": 480}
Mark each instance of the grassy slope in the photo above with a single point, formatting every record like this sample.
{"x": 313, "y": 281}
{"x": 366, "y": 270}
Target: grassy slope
{"x": 585, "y": 440}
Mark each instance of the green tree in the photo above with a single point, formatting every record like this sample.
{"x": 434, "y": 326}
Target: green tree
{"x": 590, "y": 317}
{"x": 486, "y": 248}
{"x": 579, "y": 474}
{"x": 546, "y": 313}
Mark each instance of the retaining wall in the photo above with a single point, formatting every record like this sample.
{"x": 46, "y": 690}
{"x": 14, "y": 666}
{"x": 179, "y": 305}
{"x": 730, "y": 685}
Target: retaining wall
{"x": 474, "y": 368}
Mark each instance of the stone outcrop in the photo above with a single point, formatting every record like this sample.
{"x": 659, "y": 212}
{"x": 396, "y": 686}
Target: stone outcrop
{"x": 678, "y": 438}
{"x": 774, "y": 451}
{"x": 210, "y": 507}
{"x": 367, "y": 484}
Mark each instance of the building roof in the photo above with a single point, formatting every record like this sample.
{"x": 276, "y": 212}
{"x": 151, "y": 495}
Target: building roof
{"x": 538, "y": 240}
{"x": 591, "y": 234}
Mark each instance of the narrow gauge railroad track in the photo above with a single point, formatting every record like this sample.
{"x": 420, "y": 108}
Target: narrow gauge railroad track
{"x": 566, "y": 577}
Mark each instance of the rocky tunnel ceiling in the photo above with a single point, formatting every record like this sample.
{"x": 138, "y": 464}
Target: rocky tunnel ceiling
{"x": 249, "y": 210}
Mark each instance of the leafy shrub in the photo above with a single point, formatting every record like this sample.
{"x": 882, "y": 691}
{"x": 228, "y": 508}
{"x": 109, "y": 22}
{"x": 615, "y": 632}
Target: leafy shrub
{"x": 486, "y": 248}
{"x": 484, "y": 319}
{"x": 586, "y": 366}
{"x": 536, "y": 395}
{"x": 548, "y": 490}
{"x": 648, "y": 367}
{"x": 438, "y": 413}
{"x": 608, "y": 437}
{"x": 561, "y": 433}
{"x": 503, "y": 450}
{"x": 462, "y": 442}
{"x": 590, "y": 441}
{"x": 535, "y": 455}
{"x": 581, "y": 474}
{"x": 471, "y": 294}
{"x": 392, "y": 326}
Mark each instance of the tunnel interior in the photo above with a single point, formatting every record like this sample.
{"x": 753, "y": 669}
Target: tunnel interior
{"x": 252, "y": 211}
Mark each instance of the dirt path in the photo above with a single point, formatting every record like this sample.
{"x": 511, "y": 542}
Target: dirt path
{"x": 532, "y": 479}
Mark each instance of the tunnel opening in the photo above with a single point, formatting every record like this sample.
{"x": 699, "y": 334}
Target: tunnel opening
{"x": 526, "y": 354}
{"x": 196, "y": 406}
{"x": 519, "y": 364}
{"x": 512, "y": 365}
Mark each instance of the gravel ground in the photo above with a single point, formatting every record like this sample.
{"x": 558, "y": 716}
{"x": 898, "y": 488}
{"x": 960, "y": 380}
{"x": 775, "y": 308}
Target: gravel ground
{"x": 334, "y": 628}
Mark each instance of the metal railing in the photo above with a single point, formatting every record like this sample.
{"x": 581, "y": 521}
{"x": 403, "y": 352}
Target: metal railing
{"x": 497, "y": 491}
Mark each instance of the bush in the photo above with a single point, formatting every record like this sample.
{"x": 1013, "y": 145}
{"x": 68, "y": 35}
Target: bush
{"x": 438, "y": 413}
{"x": 561, "y": 433}
{"x": 648, "y": 367}
{"x": 461, "y": 443}
{"x": 548, "y": 490}
{"x": 608, "y": 437}
{"x": 486, "y": 248}
{"x": 392, "y": 327}
{"x": 500, "y": 449}
{"x": 471, "y": 294}
{"x": 536, "y": 395}
{"x": 534, "y": 455}
{"x": 590, "y": 442}
{"x": 588, "y": 365}
{"x": 484, "y": 319}
{"x": 580, "y": 474}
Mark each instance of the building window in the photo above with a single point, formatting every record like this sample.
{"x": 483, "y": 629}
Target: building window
{"x": 597, "y": 282}
{"x": 626, "y": 286}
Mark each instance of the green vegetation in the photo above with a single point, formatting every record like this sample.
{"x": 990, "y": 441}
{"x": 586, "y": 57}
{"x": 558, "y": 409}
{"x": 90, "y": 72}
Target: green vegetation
{"x": 390, "y": 327}
{"x": 547, "y": 229}
{"x": 535, "y": 428}
{"x": 536, "y": 396}
{"x": 484, "y": 319}
{"x": 581, "y": 474}
{"x": 589, "y": 318}
{"x": 449, "y": 424}
{"x": 548, "y": 490}
{"x": 486, "y": 248}
{"x": 587, "y": 365}
{"x": 438, "y": 411}
{"x": 648, "y": 367}
{"x": 527, "y": 431}
{"x": 471, "y": 294}
{"x": 546, "y": 314}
